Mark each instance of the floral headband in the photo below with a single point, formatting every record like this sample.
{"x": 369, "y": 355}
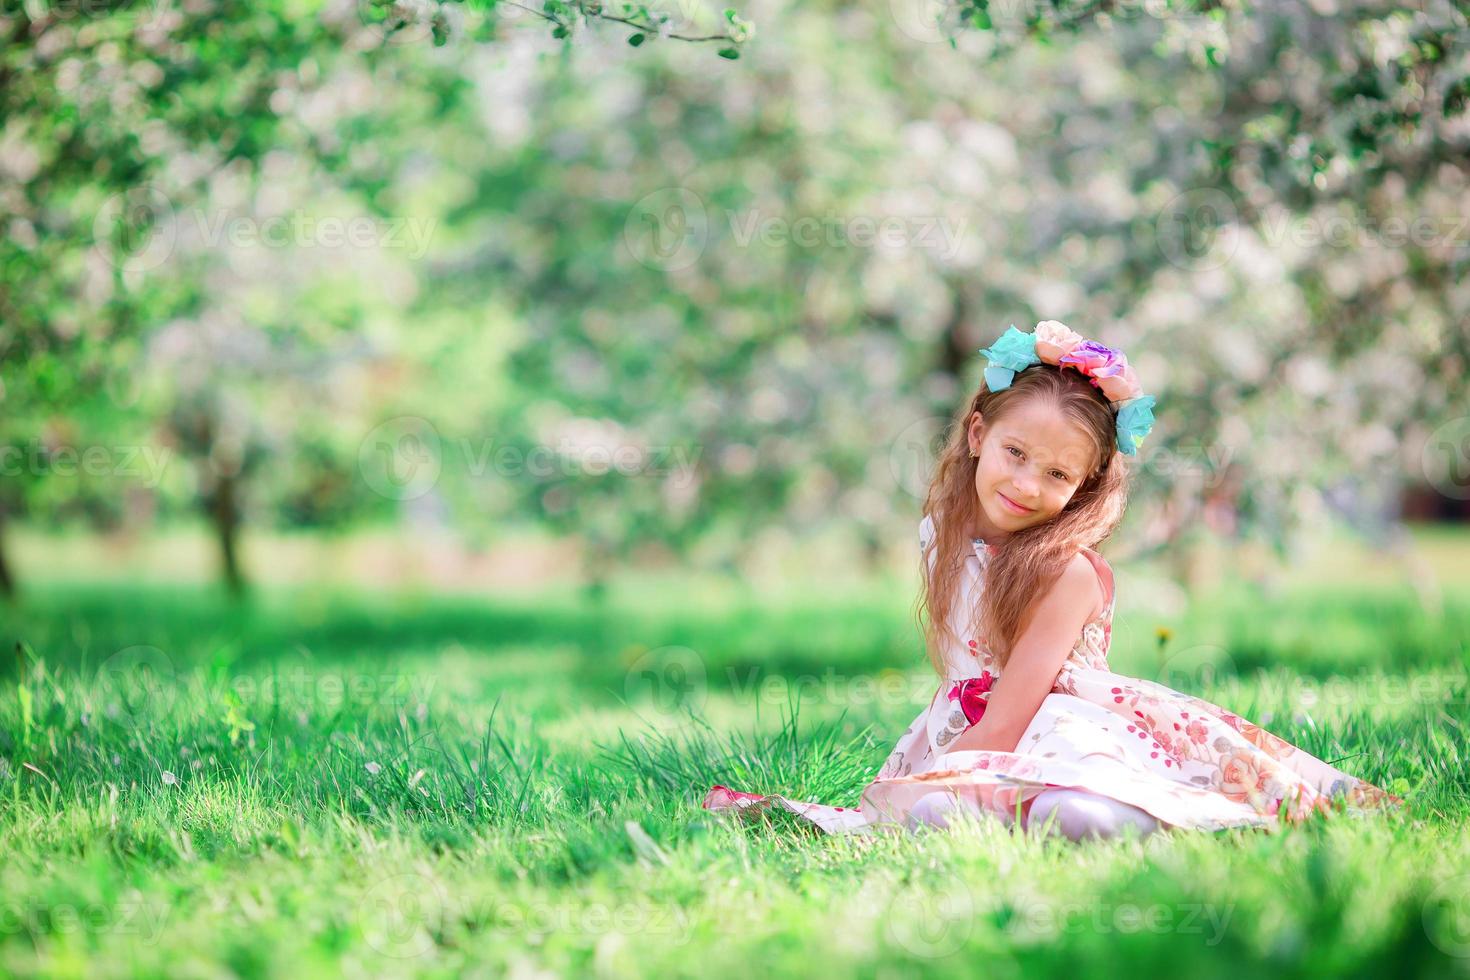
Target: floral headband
{"x": 1056, "y": 344}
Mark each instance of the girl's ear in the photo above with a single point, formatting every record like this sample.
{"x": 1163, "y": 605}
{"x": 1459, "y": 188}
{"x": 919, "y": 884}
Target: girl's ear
{"x": 976, "y": 432}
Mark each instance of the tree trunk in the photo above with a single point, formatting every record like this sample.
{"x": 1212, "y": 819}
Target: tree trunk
{"x": 226, "y": 516}
{"x": 7, "y": 581}
{"x": 874, "y": 552}
{"x": 596, "y": 569}
{"x": 957, "y": 353}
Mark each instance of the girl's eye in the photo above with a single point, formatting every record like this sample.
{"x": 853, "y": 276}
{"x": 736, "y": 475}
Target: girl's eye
{"x": 1059, "y": 474}
{"x": 1013, "y": 450}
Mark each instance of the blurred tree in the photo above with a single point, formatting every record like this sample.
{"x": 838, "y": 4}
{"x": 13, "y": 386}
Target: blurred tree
{"x": 735, "y": 267}
{"x": 674, "y": 301}
{"x": 1324, "y": 151}
{"x": 118, "y": 118}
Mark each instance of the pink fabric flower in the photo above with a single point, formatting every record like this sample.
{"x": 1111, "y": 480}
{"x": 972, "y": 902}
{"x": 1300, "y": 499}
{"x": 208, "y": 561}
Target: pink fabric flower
{"x": 1094, "y": 359}
{"x": 1055, "y": 339}
{"x": 973, "y": 694}
{"x": 1108, "y": 369}
{"x": 1057, "y": 343}
{"x": 1122, "y": 386}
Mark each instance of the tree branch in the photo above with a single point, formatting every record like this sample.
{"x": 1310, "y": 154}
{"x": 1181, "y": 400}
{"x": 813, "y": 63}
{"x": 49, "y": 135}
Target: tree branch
{"x": 594, "y": 10}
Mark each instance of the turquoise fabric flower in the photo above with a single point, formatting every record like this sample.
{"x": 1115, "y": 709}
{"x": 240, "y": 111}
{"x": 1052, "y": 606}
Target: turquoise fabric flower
{"x": 1014, "y": 351}
{"x": 1135, "y": 420}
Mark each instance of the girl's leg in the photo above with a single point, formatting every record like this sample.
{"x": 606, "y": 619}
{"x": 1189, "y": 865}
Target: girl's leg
{"x": 1080, "y": 814}
{"x": 937, "y": 809}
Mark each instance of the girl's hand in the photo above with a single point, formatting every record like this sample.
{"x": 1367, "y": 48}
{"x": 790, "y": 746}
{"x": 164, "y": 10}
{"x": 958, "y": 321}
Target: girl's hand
{"x": 1056, "y": 621}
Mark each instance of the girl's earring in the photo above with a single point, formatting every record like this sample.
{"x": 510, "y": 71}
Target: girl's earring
{"x": 973, "y": 454}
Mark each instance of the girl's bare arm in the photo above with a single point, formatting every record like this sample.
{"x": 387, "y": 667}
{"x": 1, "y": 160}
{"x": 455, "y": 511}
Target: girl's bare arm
{"x": 1035, "y": 660}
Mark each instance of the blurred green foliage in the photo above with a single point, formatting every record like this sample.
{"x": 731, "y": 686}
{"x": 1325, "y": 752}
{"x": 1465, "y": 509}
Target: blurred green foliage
{"x": 343, "y": 262}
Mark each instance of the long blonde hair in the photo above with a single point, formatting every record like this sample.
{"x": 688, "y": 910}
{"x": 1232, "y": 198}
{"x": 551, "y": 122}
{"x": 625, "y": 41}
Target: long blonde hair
{"x": 1022, "y": 567}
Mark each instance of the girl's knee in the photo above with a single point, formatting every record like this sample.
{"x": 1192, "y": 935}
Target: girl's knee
{"x": 932, "y": 809}
{"x": 1078, "y": 814}
{"x": 937, "y": 809}
{"x": 1061, "y": 811}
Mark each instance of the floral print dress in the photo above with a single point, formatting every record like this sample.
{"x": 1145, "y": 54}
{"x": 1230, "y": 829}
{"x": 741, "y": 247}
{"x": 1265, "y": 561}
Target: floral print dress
{"x": 1187, "y": 762}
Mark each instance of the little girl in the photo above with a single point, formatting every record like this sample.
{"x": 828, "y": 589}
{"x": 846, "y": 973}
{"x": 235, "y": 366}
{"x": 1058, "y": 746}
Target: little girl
{"x": 1029, "y": 724}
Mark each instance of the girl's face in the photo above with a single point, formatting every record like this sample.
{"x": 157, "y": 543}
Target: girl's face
{"x": 1030, "y": 463}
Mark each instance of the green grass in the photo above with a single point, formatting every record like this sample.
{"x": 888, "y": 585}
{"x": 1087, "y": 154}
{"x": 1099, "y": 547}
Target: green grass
{"x": 317, "y": 784}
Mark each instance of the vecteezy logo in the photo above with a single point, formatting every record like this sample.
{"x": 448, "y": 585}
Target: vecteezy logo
{"x": 1447, "y": 916}
{"x": 921, "y": 20}
{"x": 669, "y": 679}
{"x": 912, "y": 453}
{"x": 1446, "y": 458}
{"x": 1197, "y": 230}
{"x": 400, "y": 915}
{"x": 136, "y": 682}
{"x": 933, "y": 921}
{"x": 1197, "y": 668}
{"x": 135, "y": 229}
{"x": 667, "y": 229}
{"x": 399, "y": 459}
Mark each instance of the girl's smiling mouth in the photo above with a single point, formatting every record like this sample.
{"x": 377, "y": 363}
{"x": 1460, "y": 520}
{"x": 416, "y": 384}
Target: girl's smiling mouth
{"x": 1014, "y": 507}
